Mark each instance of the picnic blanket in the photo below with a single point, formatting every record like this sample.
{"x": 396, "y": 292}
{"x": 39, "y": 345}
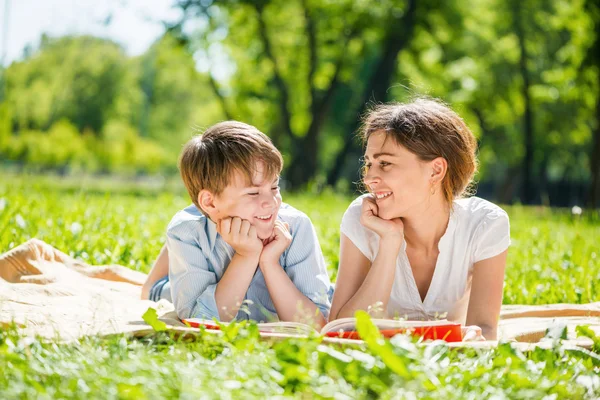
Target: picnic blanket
{"x": 48, "y": 293}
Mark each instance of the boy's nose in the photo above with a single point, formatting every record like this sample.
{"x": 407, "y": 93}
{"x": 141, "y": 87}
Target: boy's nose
{"x": 269, "y": 202}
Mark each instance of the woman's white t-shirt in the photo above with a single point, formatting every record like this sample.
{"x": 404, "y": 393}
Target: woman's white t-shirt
{"x": 477, "y": 230}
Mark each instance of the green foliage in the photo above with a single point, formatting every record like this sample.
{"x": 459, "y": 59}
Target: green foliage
{"x": 5, "y": 128}
{"x": 80, "y": 104}
{"x": 468, "y": 54}
{"x": 585, "y": 331}
{"x": 376, "y": 343}
{"x": 77, "y": 78}
{"x": 151, "y": 318}
{"x": 300, "y": 70}
{"x": 242, "y": 366}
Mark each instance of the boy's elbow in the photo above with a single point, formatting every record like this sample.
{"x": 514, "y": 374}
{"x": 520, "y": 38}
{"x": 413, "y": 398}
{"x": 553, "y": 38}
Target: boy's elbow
{"x": 202, "y": 311}
{"x": 183, "y": 312}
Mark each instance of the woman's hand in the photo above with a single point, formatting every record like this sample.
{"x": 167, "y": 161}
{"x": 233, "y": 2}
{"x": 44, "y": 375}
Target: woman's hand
{"x": 369, "y": 218}
{"x": 472, "y": 333}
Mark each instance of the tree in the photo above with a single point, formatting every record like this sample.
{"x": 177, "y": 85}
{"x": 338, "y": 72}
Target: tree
{"x": 293, "y": 58}
{"x": 593, "y": 62}
{"x": 83, "y": 79}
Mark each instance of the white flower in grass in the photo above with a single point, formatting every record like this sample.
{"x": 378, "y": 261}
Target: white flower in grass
{"x": 20, "y": 221}
{"x": 76, "y": 228}
{"x": 576, "y": 210}
{"x": 3, "y": 204}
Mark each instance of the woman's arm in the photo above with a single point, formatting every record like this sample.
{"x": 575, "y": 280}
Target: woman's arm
{"x": 360, "y": 284}
{"x": 486, "y": 294}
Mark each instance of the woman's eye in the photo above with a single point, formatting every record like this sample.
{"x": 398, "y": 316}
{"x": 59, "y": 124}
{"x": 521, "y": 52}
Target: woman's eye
{"x": 253, "y": 194}
{"x": 384, "y": 164}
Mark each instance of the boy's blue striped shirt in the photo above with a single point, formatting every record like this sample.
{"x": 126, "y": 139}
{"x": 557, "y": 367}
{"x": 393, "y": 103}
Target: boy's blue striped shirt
{"x": 198, "y": 258}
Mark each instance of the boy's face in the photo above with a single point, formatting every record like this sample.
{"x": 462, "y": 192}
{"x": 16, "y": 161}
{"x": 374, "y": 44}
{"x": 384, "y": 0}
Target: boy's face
{"x": 257, "y": 201}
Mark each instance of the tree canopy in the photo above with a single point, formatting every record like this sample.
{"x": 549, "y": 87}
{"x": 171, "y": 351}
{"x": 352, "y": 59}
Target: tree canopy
{"x": 523, "y": 74}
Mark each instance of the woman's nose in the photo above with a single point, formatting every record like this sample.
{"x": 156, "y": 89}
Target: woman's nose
{"x": 370, "y": 177}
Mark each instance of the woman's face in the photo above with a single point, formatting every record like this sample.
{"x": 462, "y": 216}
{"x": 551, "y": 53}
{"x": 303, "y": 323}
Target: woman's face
{"x": 400, "y": 181}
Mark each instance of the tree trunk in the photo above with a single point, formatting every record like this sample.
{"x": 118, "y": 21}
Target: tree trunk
{"x": 594, "y": 196}
{"x": 528, "y": 191}
{"x": 305, "y": 150}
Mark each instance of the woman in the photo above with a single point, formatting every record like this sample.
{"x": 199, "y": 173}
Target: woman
{"x": 413, "y": 247}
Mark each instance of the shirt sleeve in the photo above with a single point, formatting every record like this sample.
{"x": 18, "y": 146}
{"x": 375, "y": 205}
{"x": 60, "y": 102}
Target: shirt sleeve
{"x": 193, "y": 283}
{"x": 355, "y": 231}
{"x": 305, "y": 265}
{"x": 492, "y": 235}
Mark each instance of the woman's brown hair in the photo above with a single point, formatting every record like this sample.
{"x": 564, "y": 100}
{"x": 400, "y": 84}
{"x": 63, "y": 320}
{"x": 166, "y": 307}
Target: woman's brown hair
{"x": 429, "y": 129}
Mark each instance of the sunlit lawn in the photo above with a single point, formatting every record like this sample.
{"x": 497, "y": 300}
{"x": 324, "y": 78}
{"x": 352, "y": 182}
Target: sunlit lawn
{"x": 553, "y": 258}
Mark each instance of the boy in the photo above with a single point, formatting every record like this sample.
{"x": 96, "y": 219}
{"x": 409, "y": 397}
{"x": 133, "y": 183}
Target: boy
{"x": 238, "y": 252}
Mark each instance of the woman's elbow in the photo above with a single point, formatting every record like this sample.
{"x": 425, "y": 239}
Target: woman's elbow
{"x": 489, "y": 331}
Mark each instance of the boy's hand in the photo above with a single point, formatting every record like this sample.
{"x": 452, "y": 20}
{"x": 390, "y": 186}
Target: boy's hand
{"x": 241, "y": 235}
{"x": 276, "y": 244}
{"x": 370, "y": 219}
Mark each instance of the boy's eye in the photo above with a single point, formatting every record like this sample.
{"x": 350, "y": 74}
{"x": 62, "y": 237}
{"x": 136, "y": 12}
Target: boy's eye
{"x": 275, "y": 188}
{"x": 253, "y": 194}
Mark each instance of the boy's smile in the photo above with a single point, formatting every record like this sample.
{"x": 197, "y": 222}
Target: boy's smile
{"x": 257, "y": 201}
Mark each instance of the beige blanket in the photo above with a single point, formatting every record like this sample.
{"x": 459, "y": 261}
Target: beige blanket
{"x": 48, "y": 293}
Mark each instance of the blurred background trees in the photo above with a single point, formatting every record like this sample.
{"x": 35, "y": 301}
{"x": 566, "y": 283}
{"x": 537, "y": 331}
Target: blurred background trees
{"x": 524, "y": 74}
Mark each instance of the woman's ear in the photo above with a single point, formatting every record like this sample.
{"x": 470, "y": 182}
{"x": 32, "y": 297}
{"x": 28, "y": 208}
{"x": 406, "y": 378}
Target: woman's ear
{"x": 207, "y": 201}
{"x": 439, "y": 167}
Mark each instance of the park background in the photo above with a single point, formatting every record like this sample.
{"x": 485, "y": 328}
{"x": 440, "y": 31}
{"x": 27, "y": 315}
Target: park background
{"x": 525, "y": 75}
{"x": 97, "y": 99}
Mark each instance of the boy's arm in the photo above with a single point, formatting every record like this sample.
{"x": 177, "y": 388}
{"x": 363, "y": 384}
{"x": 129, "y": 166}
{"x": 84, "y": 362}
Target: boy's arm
{"x": 300, "y": 290}
{"x": 290, "y": 303}
{"x": 193, "y": 283}
{"x": 231, "y": 289}
{"x": 194, "y": 287}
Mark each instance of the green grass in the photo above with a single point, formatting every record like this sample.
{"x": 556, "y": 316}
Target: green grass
{"x": 554, "y": 258}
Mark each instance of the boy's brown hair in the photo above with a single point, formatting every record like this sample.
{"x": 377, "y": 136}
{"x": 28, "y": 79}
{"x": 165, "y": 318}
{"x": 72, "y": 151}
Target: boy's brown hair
{"x": 429, "y": 129}
{"x": 208, "y": 161}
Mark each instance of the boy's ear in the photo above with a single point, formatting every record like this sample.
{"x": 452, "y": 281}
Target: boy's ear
{"x": 207, "y": 201}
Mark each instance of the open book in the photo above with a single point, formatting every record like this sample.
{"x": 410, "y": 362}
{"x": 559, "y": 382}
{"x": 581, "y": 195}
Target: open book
{"x": 346, "y": 328}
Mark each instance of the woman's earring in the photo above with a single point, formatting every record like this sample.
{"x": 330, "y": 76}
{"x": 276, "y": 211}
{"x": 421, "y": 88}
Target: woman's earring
{"x": 432, "y": 190}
